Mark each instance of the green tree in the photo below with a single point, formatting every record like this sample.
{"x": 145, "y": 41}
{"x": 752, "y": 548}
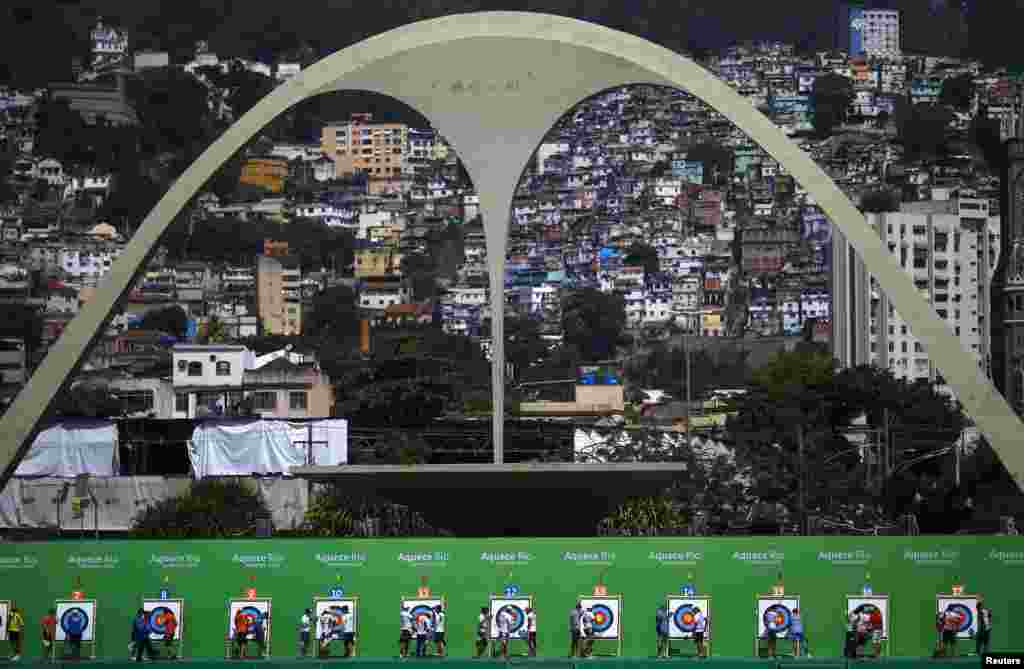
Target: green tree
{"x": 524, "y": 347}
{"x": 984, "y": 133}
{"x": 830, "y": 98}
{"x": 420, "y": 270}
{"x": 211, "y": 509}
{"x": 923, "y": 130}
{"x": 593, "y": 322}
{"x": 172, "y": 105}
{"x": 958, "y": 92}
{"x": 717, "y": 159}
{"x": 879, "y": 200}
{"x": 88, "y": 401}
{"x": 172, "y": 320}
{"x": 644, "y": 256}
{"x": 61, "y": 132}
{"x": 334, "y": 314}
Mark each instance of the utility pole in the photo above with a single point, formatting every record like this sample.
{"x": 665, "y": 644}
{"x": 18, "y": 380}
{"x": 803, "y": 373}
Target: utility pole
{"x": 689, "y": 391}
{"x": 801, "y": 488}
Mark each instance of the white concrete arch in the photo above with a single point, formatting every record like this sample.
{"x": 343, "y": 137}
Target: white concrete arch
{"x": 494, "y": 83}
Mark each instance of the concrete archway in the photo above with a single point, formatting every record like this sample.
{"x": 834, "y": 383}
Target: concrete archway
{"x": 494, "y": 83}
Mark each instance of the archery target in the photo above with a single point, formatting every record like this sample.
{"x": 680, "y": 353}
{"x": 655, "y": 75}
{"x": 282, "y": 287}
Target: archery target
{"x": 422, "y": 607}
{"x": 334, "y": 606}
{"x": 775, "y": 614}
{"x": 253, "y": 609}
{"x": 76, "y": 617}
{"x": 876, "y": 606}
{"x": 966, "y": 606}
{"x": 516, "y": 607}
{"x": 681, "y": 616}
{"x": 159, "y": 612}
{"x": 607, "y": 611}
{"x": 5, "y": 612}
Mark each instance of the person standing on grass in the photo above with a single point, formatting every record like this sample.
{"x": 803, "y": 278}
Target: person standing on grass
{"x": 531, "y": 631}
{"x": 796, "y": 632}
{"x": 305, "y": 626}
{"x": 140, "y": 636}
{"x": 348, "y": 632}
{"x": 504, "y": 630}
{"x": 15, "y": 628}
{"x": 700, "y": 627}
{"x": 422, "y": 634}
{"x": 170, "y": 627}
{"x": 241, "y": 633}
{"x": 587, "y": 632}
{"x": 404, "y": 631}
{"x": 661, "y": 622}
{"x": 440, "y": 620}
{"x": 575, "y": 615}
{"x": 259, "y": 633}
{"x": 48, "y": 632}
{"x": 483, "y": 631}
{"x": 984, "y": 634}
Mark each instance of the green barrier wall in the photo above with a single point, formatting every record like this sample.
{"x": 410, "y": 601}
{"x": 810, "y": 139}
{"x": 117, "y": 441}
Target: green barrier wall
{"x": 733, "y": 571}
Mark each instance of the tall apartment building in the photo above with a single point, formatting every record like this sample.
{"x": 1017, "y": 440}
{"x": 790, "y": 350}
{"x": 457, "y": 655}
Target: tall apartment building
{"x": 875, "y": 33}
{"x": 950, "y": 249}
{"x": 279, "y": 295}
{"x": 1008, "y": 288}
{"x": 378, "y": 149}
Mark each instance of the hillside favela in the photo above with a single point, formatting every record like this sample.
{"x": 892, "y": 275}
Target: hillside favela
{"x": 702, "y": 385}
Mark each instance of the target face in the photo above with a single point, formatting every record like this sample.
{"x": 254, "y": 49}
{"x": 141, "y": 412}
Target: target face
{"x": 160, "y": 612}
{"x": 5, "y": 611}
{"x": 606, "y": 612}
{"x": 775, "y": 614}
{"x": 422, "y": 607}
{"x": 334, "y": 607}
{"x": 964, "y": 606}
{"x": 76, "y": 617}
{"x": 877, "y": 608}
{"x": 253, "y": 610}
{"x": 682, "y": 616}
{"x": 516, "y": 608}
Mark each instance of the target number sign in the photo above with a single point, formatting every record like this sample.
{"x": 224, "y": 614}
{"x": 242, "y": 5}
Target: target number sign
{"x": 966, "y": 606}
{"x": 607, "y": 612}
{"x": 775, "y": 615}
{"x": 422, "y": 607}
{"x": 160, "y": 612}
{"x": 877, "y": 609}
{"x": 516, "y": 608}
{"x": 253, "y": 610}
{"x": 5, "y": 613}
{"x": 76, "y": 617}
{"x": 334, "y": 606}
{"x": 682, "y": 618}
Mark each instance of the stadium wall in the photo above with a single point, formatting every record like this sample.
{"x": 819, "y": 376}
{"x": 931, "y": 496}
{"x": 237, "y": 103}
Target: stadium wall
{"x": 733, "y": 571}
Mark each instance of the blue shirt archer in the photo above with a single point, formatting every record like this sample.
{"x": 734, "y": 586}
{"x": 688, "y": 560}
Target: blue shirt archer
{"x": 661, "y": 621}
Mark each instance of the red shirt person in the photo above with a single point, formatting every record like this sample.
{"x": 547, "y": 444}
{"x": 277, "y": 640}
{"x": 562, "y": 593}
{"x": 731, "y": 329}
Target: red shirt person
{"x": 48, "y": 631}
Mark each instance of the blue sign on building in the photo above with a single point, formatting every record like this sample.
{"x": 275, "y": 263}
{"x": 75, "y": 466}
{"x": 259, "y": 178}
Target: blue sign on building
{"x": 856, "y": 31}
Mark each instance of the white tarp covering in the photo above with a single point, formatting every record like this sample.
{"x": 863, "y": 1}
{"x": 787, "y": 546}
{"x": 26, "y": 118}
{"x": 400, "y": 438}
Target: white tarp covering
{"x": 32, "y": 503}
{"x": 243, "y": 449}
{"x": 330, "y": 440}
{"x": 72, "y": 448}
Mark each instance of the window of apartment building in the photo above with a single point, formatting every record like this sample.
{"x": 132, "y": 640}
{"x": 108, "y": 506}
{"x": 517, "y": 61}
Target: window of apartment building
{"x": 264, "y": 401}
{"x": 195, "y": 369}
{"x": 918, "y": 348}
{"x": 903, "y": 330}
{"x": 904, "y": 347}
{"x": 181, "y": 402}
{"x": 298, "y": 401}
{"x": 223, "y": 368}
{"x": 892, "y": 347}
